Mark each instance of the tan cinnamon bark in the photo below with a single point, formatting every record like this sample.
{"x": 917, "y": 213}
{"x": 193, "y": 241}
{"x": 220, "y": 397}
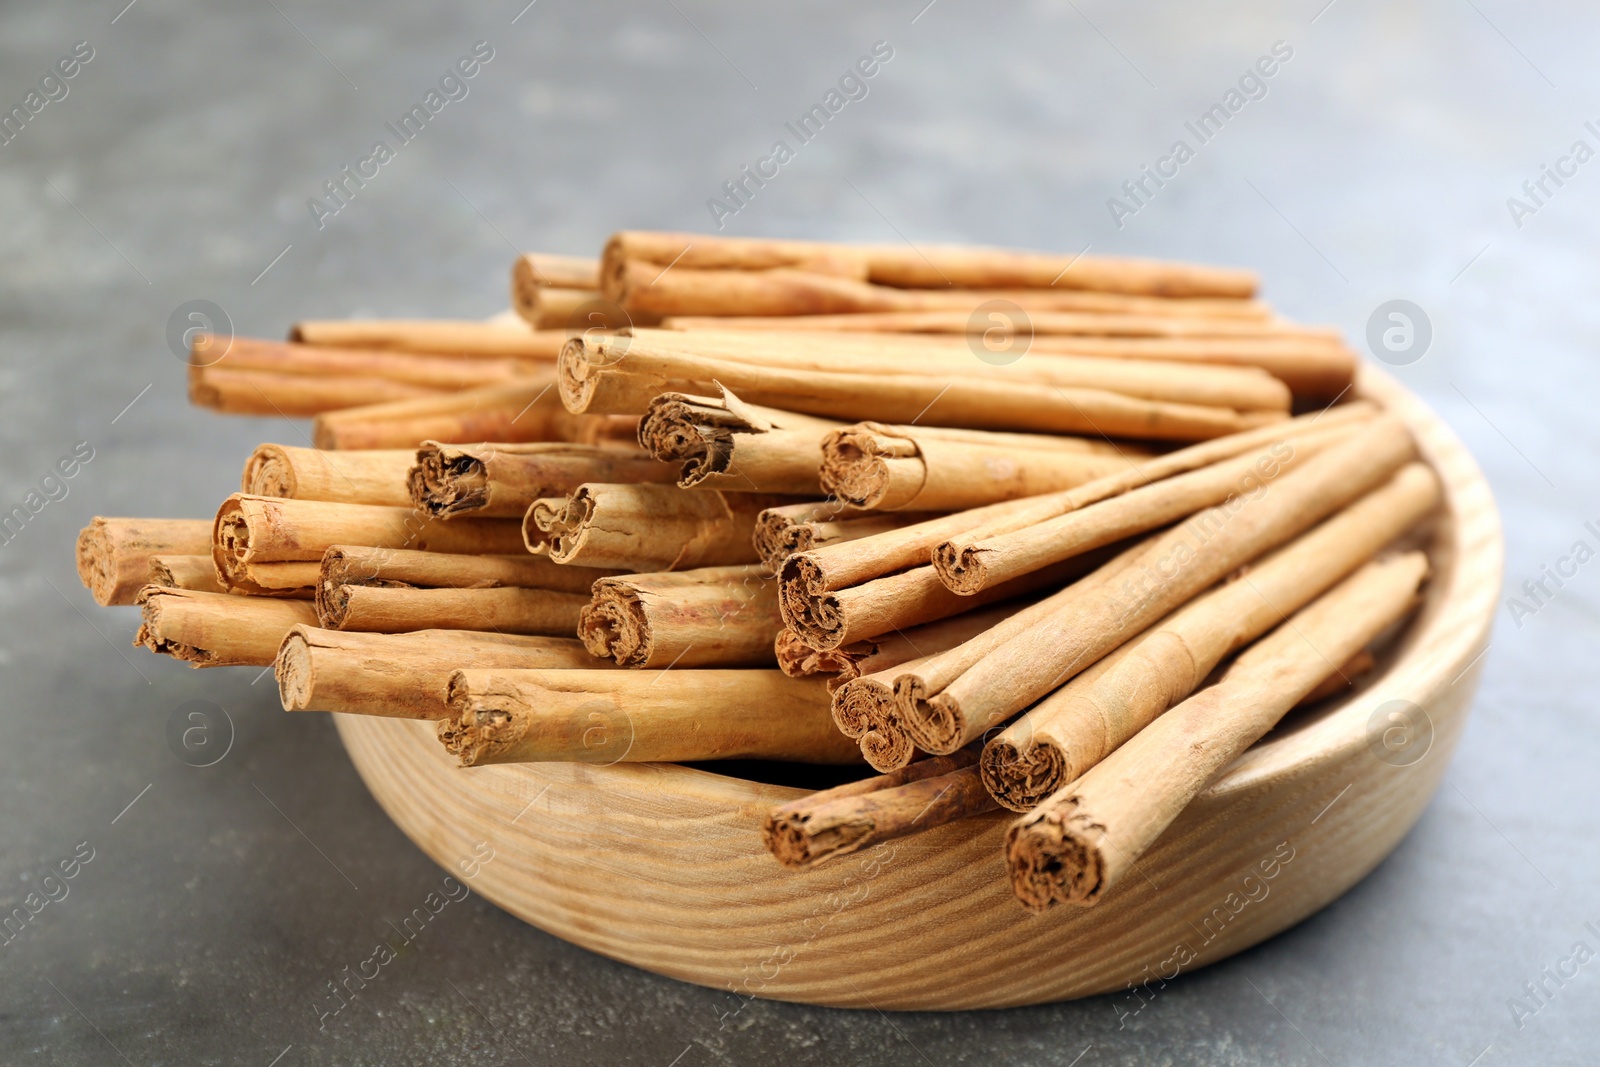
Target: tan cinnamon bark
{"x": 294, "y": 579}
{"x": 1313, "y": 366}
{"x": 256, "y": 392}
{"x": 217, "y": 629}
{"x": 252, "y": 530}
{"x": 850, "y": 817}
{"x": 724, "y": 443}
{"x": 375, "y": 476}
{"x": 951, "y": 556}
{"x": 358, "y": 565}
{"x": 113, "y": 554}
{"x": 1243, "y": 388}
{"x": 604, "y": 375}
{"x": 1078, "y": 725}
{"x": 848, "y": 662}
{"x": 442, "y": 337}
{"x": 507, "y": 716}
{"x": 790, "y": 528}
{"x": 402, "y": 675}
{"x": 645, "y": 528}
{"x": 706, "y": 617}
{"x": 503, "y": 480}
{"x": 899, "y": 468}
{"x": 393, "y": 609}
{"x": 1174, "y": 567}
{"x": 319, "y": 361}
{"x": 1085, "y": 838}
{"x": 926, "y": 266}
{"x": 507, "y": 413}
{"x": 185, "y": 572}
{"x": 1249, "y": 475}
{"x": 551, "y": 269}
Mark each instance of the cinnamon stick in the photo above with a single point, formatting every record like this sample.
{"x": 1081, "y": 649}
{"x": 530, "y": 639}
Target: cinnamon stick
{"x": 503, "y": 480}
{"x": 376, "y": 476}
{"x": 1075, "y": 727}
{"x": 724, "y": 443}
{"x": 848, "y": 818}
{"x": 253, "y": 530}
{"x": 790, "y": 528}
{"x": 605, "y": 375}
{"x": 402, "y": 675}
{"x": 443, "y": 337}
{"x": 360, "y": 565}
{"x": 396, "y": 609}
{"x": 706, "y": 617}
{"x": 256, "y": 392}
{"x": 185, "y": 572}
{"x": 216, "y": 629}
{"x": 1173, "y": 568}
{"x": 523, "y": 716}
{"x": 113, "y": 554}
{"x": 645, "y": 527}
{"x": 848, "y": 662}
{"x": 1084, "y": 839}
{"x": 926, "y": 266}
{"x": 529, "y": 411}
{"x": 326, "y": 361}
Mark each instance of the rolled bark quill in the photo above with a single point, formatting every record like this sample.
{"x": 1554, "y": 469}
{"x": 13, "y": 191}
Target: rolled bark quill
{"x": 402, "y": 675}
{"x": 927, "y": 266}
{"x": 724, "y": 443}
{"x": 113, "y": 555}
{"x": 314, "y": 361}
{"x": 1313, "y": 366}
{"x": 527, "y": 716}
{"x": 259, "y": 392}
{"x": 253, "y": 530}
{"x": 503, "y": 480}
{"x": 954, "y": 557}
{"x": 1084, "y": 839}
{"x": 706, "y": 617}
{"x": 1241, "y": 388}
{"x": 1079, "y": 724}
{"x": 892, "y": 468}
{"x": 546, "y": 289}
{"x": 390, "y": 567}
{"x": 853, "y": 816}
{"x": 848, "y": 662}
{"x": 441, "y": 337}
{"x": 1174, "y": 567}
{"x": 395, "y": 609}
{"x": 1002, "y": 558}
{"x": 185, "y": 572}
{"x": 217, "y": 629}
{"x": 645, "y": 528}
{"x": 523, "y": 411}
{"x": 375, "y": 476}
{"x": 605, "y": 375}
{"x": 790, "y": 528}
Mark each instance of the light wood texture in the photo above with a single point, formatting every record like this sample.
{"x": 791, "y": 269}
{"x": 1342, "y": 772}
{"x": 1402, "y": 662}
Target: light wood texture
{"x": 662, "y": 866}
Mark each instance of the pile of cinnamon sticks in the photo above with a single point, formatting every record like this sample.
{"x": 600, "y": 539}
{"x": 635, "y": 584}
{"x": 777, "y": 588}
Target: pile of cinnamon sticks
{"x": 1057, "y": 535}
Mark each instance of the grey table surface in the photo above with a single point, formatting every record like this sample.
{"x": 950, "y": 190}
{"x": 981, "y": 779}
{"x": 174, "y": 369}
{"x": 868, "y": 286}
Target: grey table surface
{"x": 1378, "y": 162}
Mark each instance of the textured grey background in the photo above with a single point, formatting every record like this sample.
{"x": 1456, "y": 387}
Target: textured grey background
{"x": 179, "y": 165}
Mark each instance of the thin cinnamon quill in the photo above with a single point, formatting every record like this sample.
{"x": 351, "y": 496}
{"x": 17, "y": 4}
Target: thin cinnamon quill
{"x": 1078, "y": 844}
{"x": 443, "y": 337}
{"x": 1075, "y": 727}
{"x": 891, "y": 468}
{"x": 598, "y": 716}
{"x": 503, "y": 480}
{"x": 724, "y": 443}
{"x": 706, "y": 617}
{"x": 605, "y": 375}
{"x": 926, "y": 266}
{"x": 260, "y": 392}
{"x": 217, "y": 629}
{"x": 398, "y": 609}
{"x": 1251, "y": 474}
{"x": 360, "y": 565}
{"x": 113, "y": 554}
{"x": 1174, "y": 567}
{"x": 848, "y": 662}
{"x": 185, "y": 572}
{"x": 255, "y": 530}
{"x": 850, "y": 817}
{"x": 520, "y": 412}
{"x": 376, "y": 476}
{"x": 645, "y": 528}
{"x": 402, "y": 675}
{"x": 790, "y": 528}
{"x": 324, "y": 361}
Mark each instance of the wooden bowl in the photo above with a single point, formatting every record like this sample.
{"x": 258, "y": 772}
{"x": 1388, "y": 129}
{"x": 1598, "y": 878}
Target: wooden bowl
{"x": 662, "y": 866}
